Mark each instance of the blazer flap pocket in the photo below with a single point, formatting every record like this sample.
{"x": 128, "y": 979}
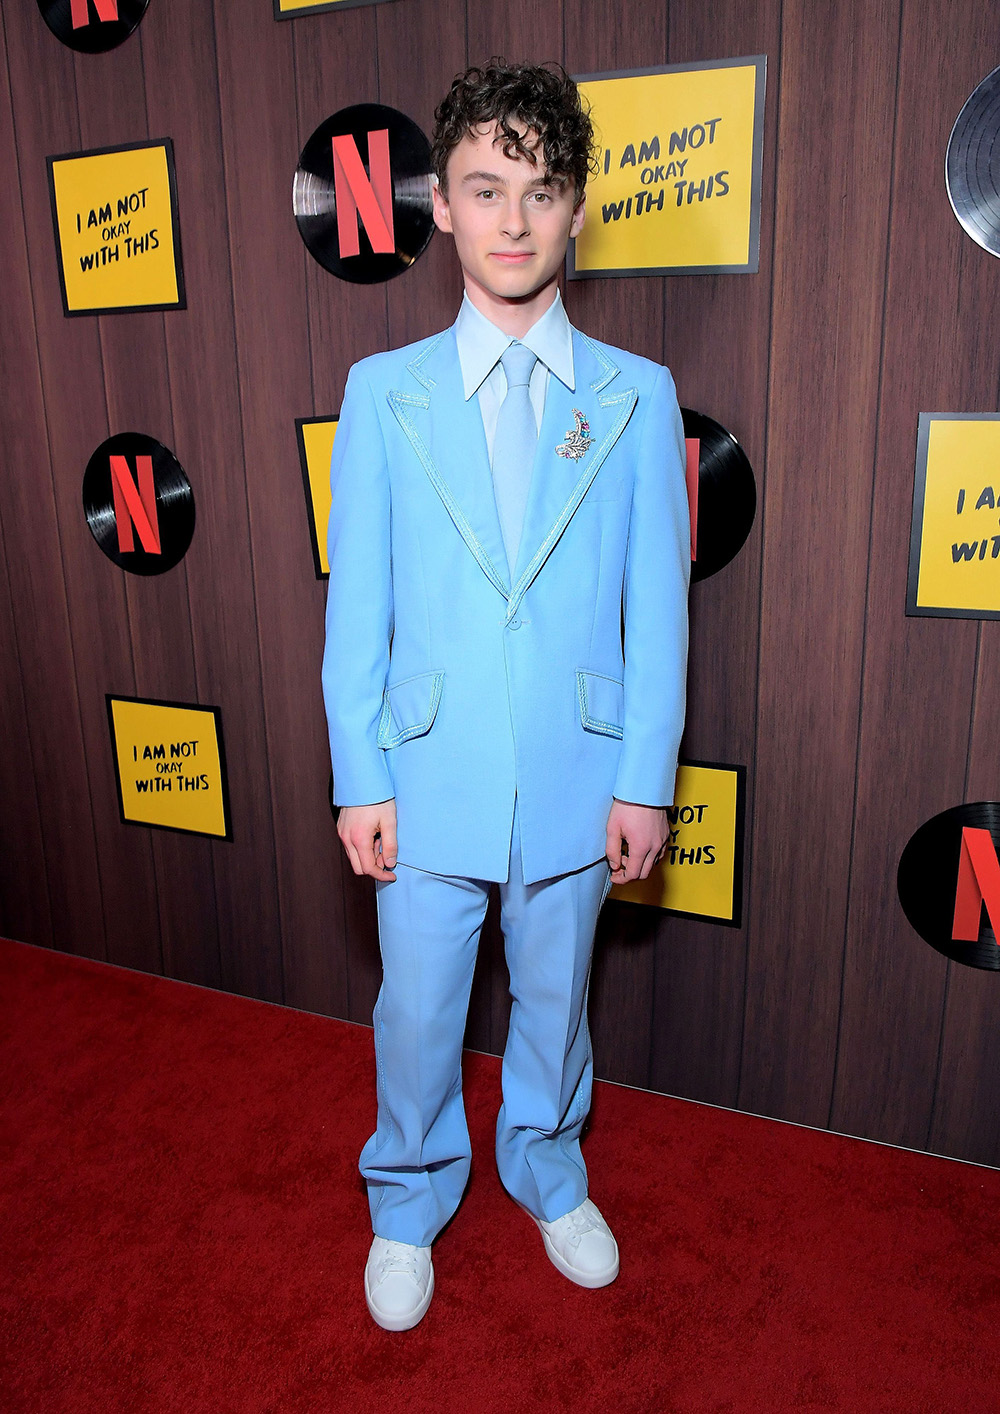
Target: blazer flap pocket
{"x": 409, "y": 708}
{"x": 602, "y": 702}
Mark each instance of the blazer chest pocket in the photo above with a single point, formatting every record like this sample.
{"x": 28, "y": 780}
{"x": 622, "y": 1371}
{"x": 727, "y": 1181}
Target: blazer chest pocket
{"x": 602, "y": 702}
{"x": 409, "y": 708}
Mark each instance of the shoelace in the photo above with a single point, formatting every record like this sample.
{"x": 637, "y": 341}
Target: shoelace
{"x": 398, "y": 1257}
{"x": 581, "y": 1224}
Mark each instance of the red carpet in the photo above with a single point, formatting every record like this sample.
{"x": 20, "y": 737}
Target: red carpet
{"x": 184, "y": 1229}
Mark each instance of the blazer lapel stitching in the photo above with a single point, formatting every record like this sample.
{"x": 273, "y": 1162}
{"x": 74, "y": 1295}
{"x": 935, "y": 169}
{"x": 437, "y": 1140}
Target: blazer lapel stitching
{"x": 610, "y": 369}
{"x": 396, "y": 399}
{"x": 629, "y": 397}
{"x": 411, "y": 399}
{"x": 415, "y": 365}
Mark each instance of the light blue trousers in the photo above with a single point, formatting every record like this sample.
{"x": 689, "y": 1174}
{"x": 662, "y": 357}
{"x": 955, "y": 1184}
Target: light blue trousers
{"x": 417, "y": 1162}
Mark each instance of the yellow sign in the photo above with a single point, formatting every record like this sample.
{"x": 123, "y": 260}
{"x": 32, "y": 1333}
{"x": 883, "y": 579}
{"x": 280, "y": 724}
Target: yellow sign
{"x": 955, "y": 533}
{"x": 170, "y": 765}
{"x": 287, "y": 9}
{"x": 680, "y": 163}
{"x": 701, "y": 874}
{"x": 117, "y": 237}
{"x": 316, "y": 436}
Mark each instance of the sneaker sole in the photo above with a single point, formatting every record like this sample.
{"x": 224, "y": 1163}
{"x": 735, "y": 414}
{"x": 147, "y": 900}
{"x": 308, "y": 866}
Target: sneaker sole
{"x": 591, "y": 1280}
{"x": 400, "y": 1323}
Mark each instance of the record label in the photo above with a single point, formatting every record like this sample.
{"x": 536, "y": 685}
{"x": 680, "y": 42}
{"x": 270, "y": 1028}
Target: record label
{"x": 972, "y": 167}
{"x": 138, "y": 503}
{"x": 723, "y": 497}
{"x": 362, "y": 193}
{"x": 92, "y": 26}
{"x": 948, "y": 883}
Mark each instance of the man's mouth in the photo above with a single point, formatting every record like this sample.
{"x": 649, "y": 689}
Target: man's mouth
{"x": 512, "y": 257}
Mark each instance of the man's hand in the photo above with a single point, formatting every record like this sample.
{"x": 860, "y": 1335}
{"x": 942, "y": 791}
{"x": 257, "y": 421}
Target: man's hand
{"x": 368, "y": 833}
{"x": 637, "y": 839}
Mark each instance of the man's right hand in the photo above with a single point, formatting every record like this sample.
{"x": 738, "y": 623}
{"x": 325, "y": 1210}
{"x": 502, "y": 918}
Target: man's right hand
{"x": 368, "y": 833}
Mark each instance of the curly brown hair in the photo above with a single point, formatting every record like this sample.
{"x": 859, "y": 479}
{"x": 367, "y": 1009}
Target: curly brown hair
{"x": 540, "y": 98}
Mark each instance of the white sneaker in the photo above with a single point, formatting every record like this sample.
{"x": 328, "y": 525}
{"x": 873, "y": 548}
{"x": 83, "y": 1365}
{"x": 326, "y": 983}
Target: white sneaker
{"x": 581, "y": 1245}
{"x": 399, "y": 1283}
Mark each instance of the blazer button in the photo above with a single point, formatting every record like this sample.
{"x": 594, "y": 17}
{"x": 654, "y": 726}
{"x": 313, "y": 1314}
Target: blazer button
{"x": 515, "y": 623}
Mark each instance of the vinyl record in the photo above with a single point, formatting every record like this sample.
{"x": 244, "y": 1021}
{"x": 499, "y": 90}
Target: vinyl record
{"x": 97, "y": 35}
{"x": 972, "y": 167}
{"x": 727, "y": 495}
{"x": 173, "y": 522}
{"x": 407, "y": 219}
{"x": 927, "y": 879}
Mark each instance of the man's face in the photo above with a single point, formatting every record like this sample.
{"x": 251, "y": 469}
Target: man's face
{"x": 510, "y": 220}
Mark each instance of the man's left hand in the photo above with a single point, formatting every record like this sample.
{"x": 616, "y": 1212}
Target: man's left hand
{"x": 637, "y": 839}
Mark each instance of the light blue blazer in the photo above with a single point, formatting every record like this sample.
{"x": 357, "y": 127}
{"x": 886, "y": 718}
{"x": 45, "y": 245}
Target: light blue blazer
{"x": 451, "y": 682}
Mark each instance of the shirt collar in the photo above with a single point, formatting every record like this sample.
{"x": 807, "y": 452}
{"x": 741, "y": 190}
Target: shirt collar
{"x": 481, "y": 343}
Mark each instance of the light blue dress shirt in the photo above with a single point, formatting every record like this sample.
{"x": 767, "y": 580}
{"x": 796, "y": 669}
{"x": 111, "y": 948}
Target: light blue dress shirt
{"x": 481, "y": 343}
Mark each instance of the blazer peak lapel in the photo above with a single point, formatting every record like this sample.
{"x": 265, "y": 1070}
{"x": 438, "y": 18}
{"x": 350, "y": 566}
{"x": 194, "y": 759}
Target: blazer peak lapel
{"x": 446, "y": 432}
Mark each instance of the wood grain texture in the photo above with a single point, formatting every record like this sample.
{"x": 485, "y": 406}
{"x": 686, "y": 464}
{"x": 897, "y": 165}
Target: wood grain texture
{"x": 24, "y": 885}
{"x": 112, "y": 100}
{"x": 829, "y": 281}
{"x": 179, "y": 56}
{"x": 72, "y": 630}
{"x": 919, "y": 672}
{"x": 717, "y": 342}
{"x": 275, "y": 387}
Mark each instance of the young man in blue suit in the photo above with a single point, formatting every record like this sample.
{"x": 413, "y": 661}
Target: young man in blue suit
{"x": 504, "y": 496}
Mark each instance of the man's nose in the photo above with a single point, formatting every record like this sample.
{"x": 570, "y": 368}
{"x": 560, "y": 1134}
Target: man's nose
{"x": 515, "y": 223}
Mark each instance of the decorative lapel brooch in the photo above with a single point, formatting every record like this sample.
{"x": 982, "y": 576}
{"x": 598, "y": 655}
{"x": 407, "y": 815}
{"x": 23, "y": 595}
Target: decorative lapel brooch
{"x": 578, "y": 441}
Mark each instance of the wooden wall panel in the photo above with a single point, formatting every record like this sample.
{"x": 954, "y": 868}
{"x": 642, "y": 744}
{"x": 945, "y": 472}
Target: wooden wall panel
{"x": 261, "y": 147}
{"x": 829, "y": 277}
{"x": 111, "y": 100}
{"x": 71, "y": 628}
{"x": 717, "y": 342}
{"x": 854, "y": 722}
{"x": 24, "y": 885}
{"x": 180, "y": 62}
{"x": 919, "y": 672}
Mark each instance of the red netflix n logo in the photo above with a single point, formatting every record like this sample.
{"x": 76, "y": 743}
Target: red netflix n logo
{"x": 359, "y": 195}
{"x": 80, "y": 11}
{"x": 135, "y": 504}
{"x": 138, "y": 503}
{"x": 978, "y": 883}
{"x": 363, "y": 193}
{"x": 947, "y": 872}
{"x": 92, "y": 26}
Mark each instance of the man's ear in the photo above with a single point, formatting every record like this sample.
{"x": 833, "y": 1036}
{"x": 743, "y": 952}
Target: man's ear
{"x": 576, "y": 225}
{"x": 442, "y": 212}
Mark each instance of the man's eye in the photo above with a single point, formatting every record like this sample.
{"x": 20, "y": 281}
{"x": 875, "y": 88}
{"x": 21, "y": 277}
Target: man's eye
{"x": 488, "y": 192}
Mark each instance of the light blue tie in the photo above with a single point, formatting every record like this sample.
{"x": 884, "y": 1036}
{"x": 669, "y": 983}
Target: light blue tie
{"x": 514, "y": 448}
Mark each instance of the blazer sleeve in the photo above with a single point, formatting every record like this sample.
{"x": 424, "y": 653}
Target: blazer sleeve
{"x": 657, "y": 576}
{"x": 359, "y": 606}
